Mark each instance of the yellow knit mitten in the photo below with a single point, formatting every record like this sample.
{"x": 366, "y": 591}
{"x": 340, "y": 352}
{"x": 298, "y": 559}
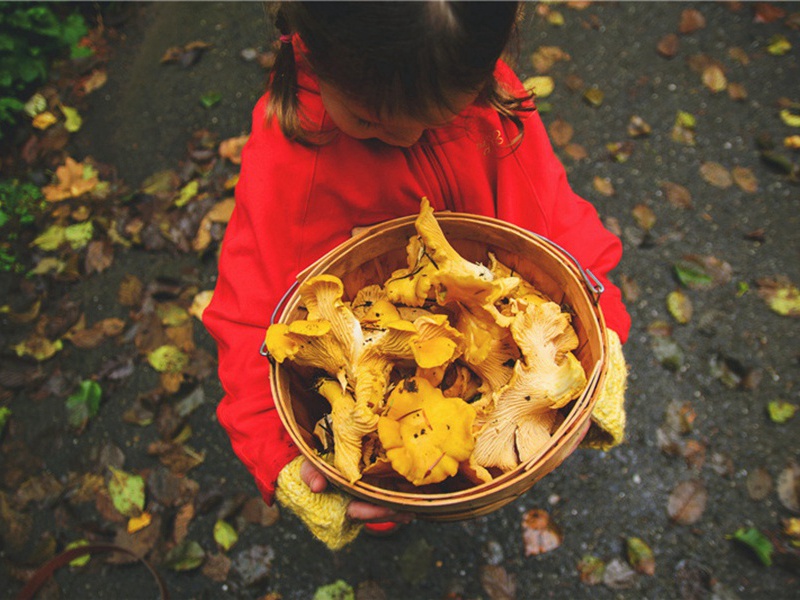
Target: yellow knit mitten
{"x": 608, "y": 416}
{"x": 323, "y": 513}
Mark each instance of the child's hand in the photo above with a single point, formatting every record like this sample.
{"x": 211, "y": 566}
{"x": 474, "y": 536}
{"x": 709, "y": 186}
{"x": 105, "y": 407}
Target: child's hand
{"x": 357, "y": 510}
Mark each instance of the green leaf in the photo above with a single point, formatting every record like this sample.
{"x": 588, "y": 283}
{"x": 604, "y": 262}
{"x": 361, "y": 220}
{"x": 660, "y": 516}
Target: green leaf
{"x": 781, "y": 411}
{"x": 679, "y": 306}
{"x": 51, "y": 238}
{"x": 5, "y": 413}
{"x": 756, "y": 541}
{"x": 692, "y": 275}
{"x": 185, "y": 557}
{"x": 84, "y": 404}
{"x": 168, "y": 359}
{"x": 73, "y": 119}
{"x": 209, "y": 99}
{"x": 778, "y": 45}
{"x": 79, "y": 235}
{"x": 338, "y": 590}
{"x": 188, "y": 192}
{"x": 640, "y": 556}
{"x": 127, "y": 492}
{"x": 225, "y": 535}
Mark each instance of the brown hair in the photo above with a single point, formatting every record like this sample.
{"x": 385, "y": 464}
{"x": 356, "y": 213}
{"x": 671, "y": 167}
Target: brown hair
{"x": 394, "y": 57}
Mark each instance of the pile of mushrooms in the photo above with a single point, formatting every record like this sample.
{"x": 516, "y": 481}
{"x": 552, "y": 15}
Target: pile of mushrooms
{"x": 449, "y": 366}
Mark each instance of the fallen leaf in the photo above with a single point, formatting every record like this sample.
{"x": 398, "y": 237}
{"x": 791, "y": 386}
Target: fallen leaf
{"x": 780, "y": 295}
{"x": 691, "y": 20}
{"x": 539, "y": 533}
{"x": 38, "y": 347}
{"x": 254, "y": 564}
{"x": 767, "y": 12}
{"x": 759, "y": 483}
{"x": 74, "y": 179}
{"x": 714, "y": 79}
{"x": 545, "y": 57}
{"x": 703, "y": 272}
{"x": 717, "y": 175}
{"x": 44, "y": 120}
{"x": 640, "y": 556}
{"x": 73, "y": 120}
{"x": 84, "y": 404}
{"x": 781, "y": 411}
{"x": 542, "y": 85}
{"x": 338, "y": 590}
{"x": 126, "y": 491}
{"x": 789, "y": 487}
{"x": 591, "y": 570}
{"x": 94, "y": 81}
{"x": 225, "y": 535}
{"x": 638, "y": 127}
{"x": 231, "y": 149}
{"x": 168, "y": 359}
{"x": 560, "y": 132}
{"x": 619, "y": 575}
{"x": 576, "y": 151}
{"x": 737, "y": 92}
{"x": 644, "y": 216}
{"x": 99, "y": 256}
{"x": 185, "y": 55}
{"x": 138, "y": 523}
{"x": 687, "y": 502}
{"x": 677, "y": 195}
{"x": 789, "y": 118}
{"x": 745, "y": 179}
{"x": 498, "y": 583}
{"x": 756, "y": 541}
{"x": 185, "y": 556}
{"x": 603, "y": 185}
{"x": 668, "y": 45}
{"x": 679, "y": 306}
{"x": 217, "y": 567}
{"x": 778, "y": 45}
{"x": 594, "y": 96}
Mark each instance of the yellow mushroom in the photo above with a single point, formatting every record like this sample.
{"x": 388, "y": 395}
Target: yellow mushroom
{"x": 436, "y": 345}
{"x": 425, "y": 434}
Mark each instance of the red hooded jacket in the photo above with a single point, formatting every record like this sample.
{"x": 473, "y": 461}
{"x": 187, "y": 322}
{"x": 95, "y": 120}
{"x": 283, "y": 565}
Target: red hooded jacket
{"x": 294, "y": 203}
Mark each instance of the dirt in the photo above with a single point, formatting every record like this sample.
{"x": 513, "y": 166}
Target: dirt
{"x": 141, "y": 121}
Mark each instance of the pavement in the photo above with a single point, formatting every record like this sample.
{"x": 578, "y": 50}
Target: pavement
{"x": 723, "y": 367}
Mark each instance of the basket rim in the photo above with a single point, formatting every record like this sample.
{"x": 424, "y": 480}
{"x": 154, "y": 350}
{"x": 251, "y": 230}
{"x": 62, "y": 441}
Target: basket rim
{"x": 578, "y": 416}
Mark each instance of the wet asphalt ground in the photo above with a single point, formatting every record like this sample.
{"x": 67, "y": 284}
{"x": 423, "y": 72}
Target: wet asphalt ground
{"x": 141, "y": 121}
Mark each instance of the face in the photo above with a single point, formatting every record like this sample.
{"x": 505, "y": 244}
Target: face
{"x": 398, "y": 130}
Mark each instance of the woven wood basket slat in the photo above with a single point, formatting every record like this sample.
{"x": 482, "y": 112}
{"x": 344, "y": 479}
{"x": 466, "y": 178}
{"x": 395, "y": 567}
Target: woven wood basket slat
{"x": 370, "y": 258}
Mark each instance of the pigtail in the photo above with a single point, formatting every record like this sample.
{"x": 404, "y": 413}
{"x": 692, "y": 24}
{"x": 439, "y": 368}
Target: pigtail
{"x": 282, "y": 104}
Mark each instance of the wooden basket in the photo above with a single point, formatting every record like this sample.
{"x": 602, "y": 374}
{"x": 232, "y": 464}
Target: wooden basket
{"x": 370, "y": 258}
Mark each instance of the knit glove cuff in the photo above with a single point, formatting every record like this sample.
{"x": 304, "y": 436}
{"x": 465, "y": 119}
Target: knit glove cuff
{"x": 324, "y": 513}
{"x": 608, "y": 417}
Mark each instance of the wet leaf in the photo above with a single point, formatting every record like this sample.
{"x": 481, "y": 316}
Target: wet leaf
{"x": 560, "y": 132}
{"x": 759, "y": 483}
{"x": 185, "y": 557}
{"x": 791, "y": 527}
{"x": 619, "y": 575}
{"x": 668, "y": 45}
{"x": 72, "y": 118}
{"x": 225, "y": 535}
{"x": 541, "y": 85}
{"x": 603, "y": 185}
{"x": 498, "y": 583}
{"x": 737, "y": 92}
{"x": 138, "y": 523}
{"x": 200, "y": 302}
{"x": 44, "y": 120}
{"x": 185, "y": 55}
{"x": 789, "y": 487}
{"x": 790, "y": 118}
{"x": 691, "y": 20}
{"x": 210, "y": 99}
{"x": 74, "y": 179}
{"x": 545, "y": 57}
{"x": 756, "y": 541}
{"x": 5, "y": 415}
{"x": 745, "y": 179}
{"x": 644, "y": 216}
{"x": 338, "y": 590}
{"x": 126, "y": 491}
{"x": 258, "y": 512}
{"x": 576, "y": 151}
{"x": 702, "y": 272}
{"x": 714, "y": 79}
{"x": 792, "y": 142}
{"x": 668, "y": 352}
{"x": 780, "y": 294}
{"x": 677, "y": 195}
{"x": 687, "y": 502}
{"x": 38, "y": 347}
{"x": 594, "y": 96}
{"x": 640, "y": 556}
{"x": 130, "y": 291}
{"x": 679, "y": 306}
{"x": 591, "y": 570}
{"x": 231, "y": 149}
{"x": 216, "y": 567}
{"x": 778, "y": 45}
{"x": 84, "y": 404}
{"x": 781, "y": 411}
{"x": 638, "y": 127}
{"x": 168, "y": 359}
{"x": 254, "y": 564}
{"x": 539, "y": 533}
{"x": 717, "y": 175}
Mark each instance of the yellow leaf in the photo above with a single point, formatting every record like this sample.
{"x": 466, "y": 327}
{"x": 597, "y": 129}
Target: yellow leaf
{"x": 168, "y": 359}
{"x": 778, "y": 45}
{"x": 188, "y": 192}
{"x": 789, "y": 118}
{"x": 74, "y": 179}
{"x": 51, "y": 238}
{"x": 200, "y": 303}
{"x": 79, "y": 235}
{"x": 44, "y": 120}
{"x": 73, "y": 120}
{"x": 714, "y": 79}
{"x": 138, "y": 523}
{"x": 542, "y": 85}
{"x": 38, "y": 347}
{"x": 792, "y": 142}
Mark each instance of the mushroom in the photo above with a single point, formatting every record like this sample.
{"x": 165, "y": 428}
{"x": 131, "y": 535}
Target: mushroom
{"x": 546, "y": 378}
{"x": 308, "y": 344}
{"x": 350, "y": 423}
{"x": 410, "y": 285}
{"x": 436, "y": 345}
{"x": 365, "y": 298}
{"x": 425, "y": 434}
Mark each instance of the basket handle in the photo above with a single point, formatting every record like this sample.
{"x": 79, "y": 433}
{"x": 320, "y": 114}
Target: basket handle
{"x": 263, "y": 351}
{"x": 593, "y": 284}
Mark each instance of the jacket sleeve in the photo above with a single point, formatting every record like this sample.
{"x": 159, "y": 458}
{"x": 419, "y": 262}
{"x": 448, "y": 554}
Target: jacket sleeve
{"x": 253, "y": 275}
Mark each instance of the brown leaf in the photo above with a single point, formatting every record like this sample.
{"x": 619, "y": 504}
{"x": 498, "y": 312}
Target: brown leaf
{"x": 640, "y": 556}
{"x": 216, "y": 567}
{"x": 737, "y": 92}
{"x": 766, "y": 12}
{"x": 677, "y": 195}
{"x": 539, "y": 533}
{"x": 745, "y": 179}
{"x": 576, "y": 151}
{"x": 638, "y": 127}
{"x": 545, "y": 57}
{"x": 232, "y": 149}
{"x": 498, "y": 583}
{"x": 630, "y": 289}
{"x": 182, "y": 519}
{"x": 130, "y": 291}
{"x": 560, "y": 132}
{"x": 687, "y": 502}
{"x": 780, "y": 295}
{"x": 140, "y": 542}
{"x": 603, "y": 185}
{"x": 71, "y": 182}
{"x": 258, "y": 512}
{"x": 739, "y": 55}
{"x": 668, "y": 45}
{"x": 717, "y": 175}
{"x": 759, "y": 483}
{"x": 789, "y": 487}
{"x": 645, "y": 217}
{"x": 691, "y": 20}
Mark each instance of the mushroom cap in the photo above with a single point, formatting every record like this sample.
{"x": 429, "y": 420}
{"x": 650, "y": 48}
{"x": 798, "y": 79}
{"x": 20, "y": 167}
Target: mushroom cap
{"x": 426, "y": 435}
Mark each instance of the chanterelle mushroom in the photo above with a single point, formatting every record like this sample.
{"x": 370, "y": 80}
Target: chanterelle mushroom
{"x": 548, "y": 377}
{"x": 435, "y": 346}
{"x": 308, "y": 344}
{"x": 425, "y": 434}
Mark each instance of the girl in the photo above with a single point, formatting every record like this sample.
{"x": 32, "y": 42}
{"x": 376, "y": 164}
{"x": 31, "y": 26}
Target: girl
{"x": 370, "y": 107}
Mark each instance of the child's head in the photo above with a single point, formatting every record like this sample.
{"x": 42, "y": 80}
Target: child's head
{"x": 399, "y": 66}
